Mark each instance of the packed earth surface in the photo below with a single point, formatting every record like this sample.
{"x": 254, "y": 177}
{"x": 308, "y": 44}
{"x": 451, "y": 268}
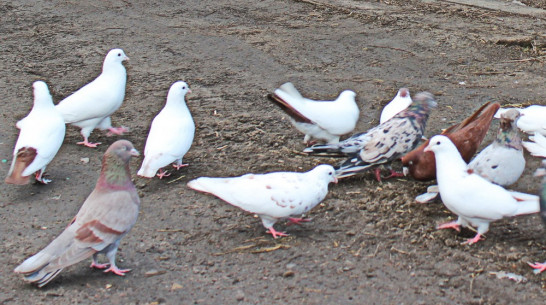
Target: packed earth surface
{"x": 369, "y": 242}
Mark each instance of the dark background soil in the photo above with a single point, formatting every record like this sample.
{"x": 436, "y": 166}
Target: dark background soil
{"x": 369, "y": 242}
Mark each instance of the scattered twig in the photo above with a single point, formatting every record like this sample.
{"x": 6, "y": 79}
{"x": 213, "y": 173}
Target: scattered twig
{"x": 171, "y": 230}
{"x": 392, "y": 48}
{"x": 270, "y": 249}
{"x": 176, "y": 179}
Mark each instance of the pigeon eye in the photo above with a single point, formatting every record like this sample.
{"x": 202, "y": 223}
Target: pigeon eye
{"x": 184, "y": 87}
{"x": 438, "y": 143}
{"x": 119, "y": 54}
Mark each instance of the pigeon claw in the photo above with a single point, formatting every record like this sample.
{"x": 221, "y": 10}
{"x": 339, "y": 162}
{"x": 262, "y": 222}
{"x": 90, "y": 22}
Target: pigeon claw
{"x": 179, "y": 166}
{"x": 88, "y": 144}
{"x": 538, "y": 267}
{"x": 297, "y": 221}
{"x": 117, "y": 131}
{"x": 275, "y": 233}
{"x": 473, "y": 240}
{"x": 117, "y": 271}
{"x": 163, "y": 174}
{"x": 450, "y": 225}
{"x": 394, "y": 174}
{"x": 98, "y": 266}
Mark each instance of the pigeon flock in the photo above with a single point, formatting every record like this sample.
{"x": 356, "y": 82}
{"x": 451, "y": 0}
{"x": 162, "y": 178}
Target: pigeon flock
{"x": 472, "y": 189}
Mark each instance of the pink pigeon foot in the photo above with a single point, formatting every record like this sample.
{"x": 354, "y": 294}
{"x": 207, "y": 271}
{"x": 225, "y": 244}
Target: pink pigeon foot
{"x": 377, "y": 172}
{"x": 163, "y": 174}
{"x": 117, "y": 131}
{"x": 275, "y": 233}
{"x": 40, "y": 179}
{"x": 538, "y": 267}
{"x": 179, "y": 166}
{"x": 473, "y": 240}
{"x": 297, "y": 221}
{"x": 116, "y": 270}
{"x": 310, "y": 143}
{"x": 450, "y": 225}
{"x": 99, "y": 266}
{"x": 88, "y": 144}
{"x": 394, "y": 174}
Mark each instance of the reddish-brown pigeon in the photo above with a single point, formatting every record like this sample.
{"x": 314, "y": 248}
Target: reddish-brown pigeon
{"x": 466, "y": 136}
{"x": 105, "y": 217}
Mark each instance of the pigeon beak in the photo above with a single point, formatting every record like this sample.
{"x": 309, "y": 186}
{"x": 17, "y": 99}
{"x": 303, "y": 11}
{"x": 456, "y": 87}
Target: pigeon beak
{"x": 126, "y": 58}
{"x": 335, "y": 180}
{"x": 134, "y": 153}
{"x": 189, "y": 90}
{"x": 427, "y": 149}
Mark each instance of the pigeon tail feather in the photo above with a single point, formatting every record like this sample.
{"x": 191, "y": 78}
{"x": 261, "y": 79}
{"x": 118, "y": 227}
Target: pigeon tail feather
{"x": 22, "y": 160}
{"x": 527, "y": 207}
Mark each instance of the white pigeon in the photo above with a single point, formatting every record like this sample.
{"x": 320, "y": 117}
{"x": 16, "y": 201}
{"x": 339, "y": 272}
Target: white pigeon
{"x": 533, "y": 119}
{"x": 502, "y": 162}
{"x": 171, "y": 134}
{"x": 541, "y": 172}
{"x": 323, "y": 120}
{"x": 400, "y": 102}
{"x": 91, "y": 106}
{"x": 272, "y": 196}
{"x": 41, "y": 135}
{"x": 475, "y": 200}
{"x": 537, "y": 147}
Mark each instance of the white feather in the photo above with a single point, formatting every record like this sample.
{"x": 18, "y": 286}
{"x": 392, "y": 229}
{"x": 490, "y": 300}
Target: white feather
{"x": 400, "y": 102}
{"x": 537, "y": 147}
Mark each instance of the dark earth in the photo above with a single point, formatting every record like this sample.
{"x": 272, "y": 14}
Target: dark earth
{"x": 368, "y": 243}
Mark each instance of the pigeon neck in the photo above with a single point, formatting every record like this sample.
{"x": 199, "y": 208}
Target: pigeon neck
{"x": 176, "y": 102}
{"x": 508, "y": 135}
{"x": 449, "y": 164}
{"x": 115, "y": 174}
{"x": 109, "y": 67}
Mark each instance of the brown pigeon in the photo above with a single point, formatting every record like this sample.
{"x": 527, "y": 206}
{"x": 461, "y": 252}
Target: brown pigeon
{"x": 105, "y": 217}
{"x": 467, "y": 137}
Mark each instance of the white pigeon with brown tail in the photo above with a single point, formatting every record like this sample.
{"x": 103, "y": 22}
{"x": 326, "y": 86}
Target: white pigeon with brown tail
{"x": 322, "y": 120}
{"x": 171, "y": 134}
{"x": 106, "y": 216}
{"x": 474, "y": 199}
{"x": 41, "y": 135}
{"x": 272, "y": 196}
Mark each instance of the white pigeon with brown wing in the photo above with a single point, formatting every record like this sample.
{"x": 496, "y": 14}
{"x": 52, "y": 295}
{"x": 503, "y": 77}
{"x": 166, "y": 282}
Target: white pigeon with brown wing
{"x": 322, "y": 120}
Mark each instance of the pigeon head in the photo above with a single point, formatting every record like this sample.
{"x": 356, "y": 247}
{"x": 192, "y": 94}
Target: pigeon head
{"x": 114, "y": 57}
{"x": 508, "y": 132}
{"x": 327, "y": 172}
{"x": 41, "y": 94}
{"x": 349, "y": 94}
{"x": 440, "y": 143}
{"x": 180, "y": 88}
{"x": 122, "y": 150}
{"x": 404, "y": 92}
{"x": 115, "y": 171}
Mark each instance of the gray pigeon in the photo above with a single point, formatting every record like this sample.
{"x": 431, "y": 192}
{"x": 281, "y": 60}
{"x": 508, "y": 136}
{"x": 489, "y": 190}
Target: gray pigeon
{"x": 502, "y": 162}
{"x": 105, "y": 217}
{"x": 383, "y": 143}
{"x": 541, "y": 172}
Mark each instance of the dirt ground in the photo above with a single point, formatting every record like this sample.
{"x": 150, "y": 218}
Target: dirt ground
{"x": 369, "y": 242}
